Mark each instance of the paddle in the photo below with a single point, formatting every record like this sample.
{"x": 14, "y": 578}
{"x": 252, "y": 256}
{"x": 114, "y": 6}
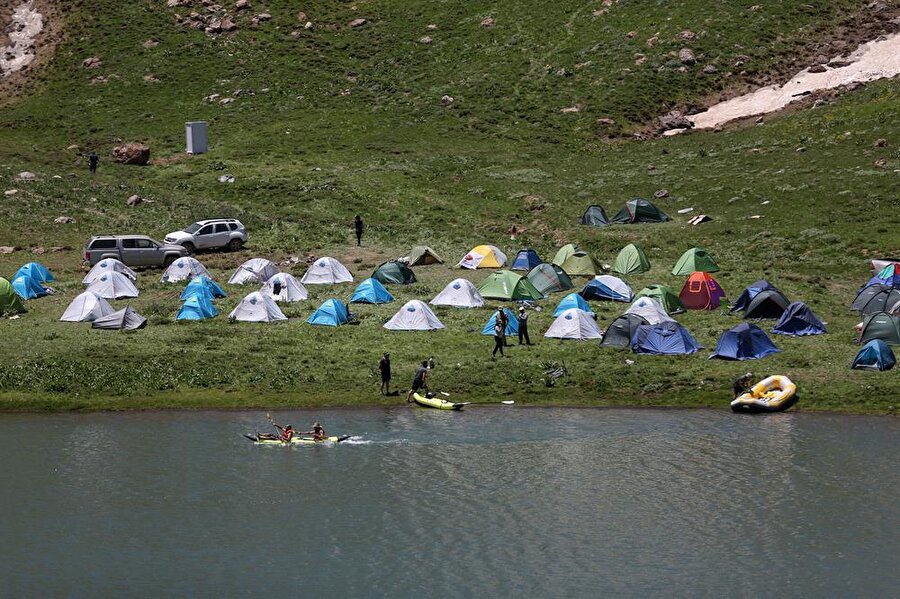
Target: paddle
{"x": 506, "y": 402}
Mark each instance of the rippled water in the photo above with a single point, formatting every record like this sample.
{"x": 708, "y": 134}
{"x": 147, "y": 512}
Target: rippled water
{"x": 492, "y": 502}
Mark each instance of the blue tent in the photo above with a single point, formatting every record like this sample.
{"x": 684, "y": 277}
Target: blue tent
{"x": 526, "y": 259}
{"x": 371, "y": 291}
{"x": 197, "y": 307}
{"x": 744, "y": 299}
{"x": 28, "y": 288}
{"x": 597, "y": 290}
{"x": 201, "y": 284}
{"x": 746, "y": 341}
{"x": 36, "y": 271}
{"x": 331, "y": 313}
{"x": 666, "y": 338}
{"x": 799, "y": 320}
{"x": 573, "y": 300}
{"x": 512, "y": 325}
{"x": 874, "y": 355}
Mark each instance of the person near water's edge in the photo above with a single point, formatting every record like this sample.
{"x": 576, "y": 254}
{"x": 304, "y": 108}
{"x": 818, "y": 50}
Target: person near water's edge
{"x": 384, "y": 365}
{"x": 742, "y": 384}
{"x": 420, "y": 381}
{"x": 499, "y": 340}
{"x": 522, "y": 321}
{"x": 358, "y": 228}
{"x": 93, "y": 161}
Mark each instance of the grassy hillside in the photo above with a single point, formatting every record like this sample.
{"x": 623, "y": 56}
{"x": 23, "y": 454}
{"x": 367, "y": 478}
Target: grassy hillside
{"x": 350, "y": 120}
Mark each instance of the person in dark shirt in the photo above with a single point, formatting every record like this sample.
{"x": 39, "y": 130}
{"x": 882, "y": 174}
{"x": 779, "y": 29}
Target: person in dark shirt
{"x": 358, "y": 227}
{"x": 420, "y": 381}
{"x": 499, "y": 339}
{"x": 522, "y": 321}
{"x": 742, "y": 384}
{"x": 384, "y": 365}
{"x": 93, "y": 161}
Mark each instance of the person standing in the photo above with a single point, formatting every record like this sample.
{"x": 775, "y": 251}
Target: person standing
{"x": 358, "y": 226}
{"x": 93, "y": 161}
{"x": 499, "y": 339}
{"x": 384, "y": 365}
{"x": 503, "y": 320}
{"x": 420, "y": 381}
{"x": 522, "y": 321}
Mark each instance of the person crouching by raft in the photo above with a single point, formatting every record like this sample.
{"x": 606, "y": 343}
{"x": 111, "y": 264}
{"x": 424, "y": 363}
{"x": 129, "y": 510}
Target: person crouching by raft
{"x": 384, "y": 365}
{"x": 420, "y": 381}
{"x": 318, "y": 433}
{"x": 742, "y": 384}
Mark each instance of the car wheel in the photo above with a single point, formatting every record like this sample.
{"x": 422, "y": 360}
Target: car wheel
{"x": 235, "y": 245}
{"x": 189, "y": 247}
{"x": 167, "y": 261}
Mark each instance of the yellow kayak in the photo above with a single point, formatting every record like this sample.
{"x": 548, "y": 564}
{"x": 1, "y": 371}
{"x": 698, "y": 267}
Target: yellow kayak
{"x": 437, "y": 403}
{"x": 296, "y": 440}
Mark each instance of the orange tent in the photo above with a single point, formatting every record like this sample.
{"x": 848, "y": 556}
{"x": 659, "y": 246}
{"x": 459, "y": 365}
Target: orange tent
{"x": 701, "y": 292}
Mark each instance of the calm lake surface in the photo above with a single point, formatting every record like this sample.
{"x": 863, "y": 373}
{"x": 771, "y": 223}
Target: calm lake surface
{"x": 489, "y": 502}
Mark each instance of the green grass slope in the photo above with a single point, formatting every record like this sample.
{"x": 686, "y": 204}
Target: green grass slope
{"x": 350, "y": 120}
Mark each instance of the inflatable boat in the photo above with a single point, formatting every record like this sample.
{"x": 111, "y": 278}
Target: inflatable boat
{"x": 436, "y": 402}
{"x": 259, "y": 440}
{"x": 772, "y": 394}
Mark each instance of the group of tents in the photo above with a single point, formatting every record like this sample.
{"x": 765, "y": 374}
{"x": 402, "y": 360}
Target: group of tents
{"x": 878, "y": 302}
{"x": 633, "y": 212}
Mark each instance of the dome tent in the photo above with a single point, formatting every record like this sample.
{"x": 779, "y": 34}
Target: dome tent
{"x": 574, "y": 324}
{"x": 549, "y": 278}
{"x": 483, "y": 256}
{"x": 507, "y": 285}
{"x": 631, "y": 260}
{"x": 640, "y": 211}
{"x": 575, "y": 261}
{"x": 874, "y": 355}
{"x": 746, "y": 341}
{"x": 35, "y": 271}
{"x": 595, "y": 216}
{"x": 889, "y": 275}
{"x": 125, "y": 319}
{"x": 255, "y": 270}
{"x": 799, "y": 320}
{"x": 197, "y": 307}
{"x": 284, "y": 287}
{"x": 665, "y": 296}
{"x": 108, "y": 265}
{"x": 767, "y": 304}
{"x": 512, "y": 324}
{"x": 10, "y": 302}
{"x": 257, "y": 307}
{"x": 607, "y": 287}
{"x": 665, "y": 338}
{"x": 422, "y": 255}
{"x": 332, "y": 313}
{"x": 747, "y": 296}
{"x": 86, "y": 307}
{"x": 395, "y": 273}
{"x": 371, "y": 291}
{"x": 621, "y": 330}
{"x": 184, "y": 269}
{"x": 694, "y": 260}
{"x": 202, "y": 285}
{"x": 415, "y": 315}
{"x": 876, "y": 298}
{"x": 881, "y": 325}
{"x": 526, "y": 259}
{"x": 701, "y": 292}
{"x": 650, "y": 310}
{"x": 113, "y": 285}
{"x": 460, "y": 293}
{"x": 28, "y": 288}
{"x": 326, "y": 271}
{"x": 573, "y": 300}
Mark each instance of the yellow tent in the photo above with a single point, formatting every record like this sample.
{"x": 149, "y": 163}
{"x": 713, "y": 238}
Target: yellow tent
{"x": 483, "y": 256}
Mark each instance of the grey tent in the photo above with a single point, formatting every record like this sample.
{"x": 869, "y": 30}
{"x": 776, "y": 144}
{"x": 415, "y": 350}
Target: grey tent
{"x": 421, "y": 255}
{"x": 126, "y": 318}
{"x": 594, "y": 216}
{"x": 621, "y": 329}
{"x": 881, "y": 325}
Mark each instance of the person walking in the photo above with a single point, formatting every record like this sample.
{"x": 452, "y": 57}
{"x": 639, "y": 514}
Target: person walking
{"x": 522, "y": 321}
{"x": 499, "y": 339}
{"x": 358, "y": 226}
{"x": 420, "y": 381}
{"x": 93, "y": 161}
{"x": 384, "y": 365}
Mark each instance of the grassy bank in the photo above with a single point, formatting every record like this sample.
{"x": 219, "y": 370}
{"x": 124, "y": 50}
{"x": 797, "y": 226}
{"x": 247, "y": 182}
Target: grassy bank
{"x": 307, "y": 156}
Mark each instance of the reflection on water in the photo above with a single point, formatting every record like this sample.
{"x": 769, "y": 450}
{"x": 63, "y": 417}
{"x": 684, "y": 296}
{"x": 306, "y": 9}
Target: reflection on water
{"x": 490, "y": 501}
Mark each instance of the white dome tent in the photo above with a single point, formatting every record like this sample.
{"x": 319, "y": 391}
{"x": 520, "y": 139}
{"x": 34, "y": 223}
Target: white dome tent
{"x": 184, "y": 269}
{"x": 574, "y": 324}
{"x": 257, "y": 307}
{"x": 113, "y": 285}
{"x": 415, "y": 315}
{"x": 289, "y": 288}
{"x": 108, "y": 265}
{"x": 326, "y": 271}
{"x": 460, "y": 293}
{"x": 650, "y": 310}
{"x": 255, "y": 270}
{"x": 87, "y": 307}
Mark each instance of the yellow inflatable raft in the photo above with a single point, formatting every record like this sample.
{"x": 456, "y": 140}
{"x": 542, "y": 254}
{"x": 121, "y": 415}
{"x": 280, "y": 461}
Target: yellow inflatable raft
{"x": 772, "y": 394}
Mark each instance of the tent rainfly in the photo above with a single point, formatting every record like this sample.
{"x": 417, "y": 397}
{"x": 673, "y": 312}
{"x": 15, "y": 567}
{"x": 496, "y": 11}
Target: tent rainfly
{"x": 573, "y": 300}
{"x": 204, "y": 286}
{"x": 607, "y": 287}
{"x": 575, "y": 261}
{"x": 326, "y": 271}
{"x": 650, "y": 310}
{"x": 664, "y": 339}
{"x": 507, "y": 285}
{"x": 255, "y": 270}
{"x": 701, "y": 292}
{"x": 694, "y": 260}
{"x": 36, "y": 271}
{"x": 125, "y": 319}
{"x": 526, "y": 259}
{"x": 512, "y": 324}
{"x": 197, "y": 307}
{"x": 631, "y": 260}
{"x": 184, "y": 269}
{"x": 257, "y": 307}
{"x": 459, "y": 293}
{"x": 415, "y": 315}
{"x": 108, "y": 265}
{"x": 745, "y": 341}
{"x": 371, "y": 291}
{"x": 395, "y": 273}
{"x": 595, "y": 216}
{"x": 798, "y": 320}
{"x": 483, "y": 256}
{"x": 113, "y": 285}
{"x": 422, "y": 255}
{"x": 640, "y": 211}
{"x": 874, "y": 355}
{"x": 574, "y": 324}
{"x": 28, "y": 288}
{"x": 87, "y": 307}
{"x": 665, "y": 296}
{"x": 10, "y": 302}
{"x": 549, "y": 278}
{"x": 332, "y": 313}
{"x": 621, "y": 330}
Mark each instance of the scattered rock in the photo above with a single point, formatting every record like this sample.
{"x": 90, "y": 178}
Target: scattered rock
{"x": 63, "y": 220}
{"x": 10, "y": 192}
{"x": 880, "y": 163}
{"x": 290, "y": 261}
{"x": 7, "y": 249}
{"x": 241, "y": 5}
{"x": 211, "y": 98}
{"x": 302, "y": 17}
{"x": 606, "y": 122}
{"x": 150, "y": 78}
{"x": 880, "y": 143}
{"x": 674, "y": 120}
{"x": 600, "y": 12}
{"x": 488, "y": 22}
{"x": 425, "y": 39}
{"x": 631, "y": 34}
{"x": 431, "y": 27}
{"x": 134, "y": 200}
{"x": 839, "y": 64}
{"x": 819, "y": 103}
{"x": 710, "y": 69}
{"x": 26, "y": 176}
{"x": 226, "y": 179}
{"x": 92, "y": 62}
{"x": 72, "y": 147}
{"x": 38, "y": 249}
{"x": 801, "y": 149}
{"x": 264, "y": 16}
{"x": 224, "y": 101}
{"x": 639, "y": 59}
{"x": 651, "y": 167}
{"x": 150, "y": 44}
{"x": 686, "y": 56}
{"x": 651, "y": 41}
{"x": 687, "y": 35}
{"x": 760, "y": 120}
{"x": 818, "y": 68}
{"x": 356, "y": 23}
{"x": 572, "y": 109}
{"x": 228, "y": 25}
{"x": 214, "y": 27}
{"x": 661, "y": 193}
{"x": 131, "y": 153}
{"x": 447, "y": 100}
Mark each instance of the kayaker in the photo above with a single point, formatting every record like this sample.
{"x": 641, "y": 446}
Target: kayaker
{"x": 287, "y": 433}
{"x": 318, "y": 433}
{"x": 384, "y": 365}
{"x": 742, "y": 384}
{"x": 522, "y": 321}
{"x": 420, "y": 381}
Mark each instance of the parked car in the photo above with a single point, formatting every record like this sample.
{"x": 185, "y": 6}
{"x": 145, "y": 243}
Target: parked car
{"x": 212, "y": 234}
{"x": 133, "y": 250}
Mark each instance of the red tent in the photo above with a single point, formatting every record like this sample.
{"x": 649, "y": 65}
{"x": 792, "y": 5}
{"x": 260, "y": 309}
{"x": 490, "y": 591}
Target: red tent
{"x": 701, "y": 292}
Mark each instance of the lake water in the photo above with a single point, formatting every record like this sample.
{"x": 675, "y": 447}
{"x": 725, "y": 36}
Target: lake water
{"x": 488, "y": 502}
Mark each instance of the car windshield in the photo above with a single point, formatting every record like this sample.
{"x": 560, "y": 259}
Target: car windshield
{"x": 193, "y": 228}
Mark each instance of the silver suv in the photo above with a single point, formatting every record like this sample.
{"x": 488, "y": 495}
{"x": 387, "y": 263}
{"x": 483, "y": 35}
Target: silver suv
{"x": 133, "y": 250}
{"x": 212, "y": 234}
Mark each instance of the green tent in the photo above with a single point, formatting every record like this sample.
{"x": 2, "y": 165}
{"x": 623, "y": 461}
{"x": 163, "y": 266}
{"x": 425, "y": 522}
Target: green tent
{"x": 510, "y": 286}
{"x": 10, "y": 302}
{"x": 631, "y": 260}
{"x": 422, "y": 255}
{"x": 879, "y": 325}
{"x": 394, "y": 273}
{"x": 575, "y": 261}
{"x": 694, "y": 260}
{"x": 667, "y": 298}
{"x": 549, "y": 278}
{"x": 564, "y": 252}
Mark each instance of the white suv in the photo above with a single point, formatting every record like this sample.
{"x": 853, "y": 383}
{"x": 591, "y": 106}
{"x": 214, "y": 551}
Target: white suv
{"x": 212, "y": 234}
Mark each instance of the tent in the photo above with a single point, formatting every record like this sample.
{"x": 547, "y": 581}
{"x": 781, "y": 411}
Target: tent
{"x": 665, "y": 296}
{"x": 526, "y": 259}
{"x": 631, "y": 260}
{"x": 640, "y": 211}
{"x": 564, "y": 252}
{"x": 889, "y": 275}
{"x": 621, "y": 330}
{"x": 879, "y": 263}
{"x": 770, "y": 303}
{"x": 197, "y": 307}
{"x": 36, "y": 271}
{"x": 10, "y": 302}
{"x": 371, "y": 291}
{"x": 694, "y": 260}
{"x": 749, "y": 293}
{"x": 113, "y": 285}
{"x": 394, "y": 273}
{"x": 881, "y": 325}
{"x": 202, "y": 284}
{"x": 415, "y": 315}
{"x": 326, "y": 271}
{"x": 595, "y": 216}
{"x": 108, "y": 265}
{"x": 650, "y": 310}
{"x": 874, "y": 355}
{"x": 573, "y": 300}
{"x": 876, "y": 298}
{"x": 746, "y": 341}
{"x": 701, "y": 292}
{"x": 257, "y": 307}
{"x": 607, "y": 287}
{"x": 549, "y": 278}
{"x": 460, "y": 293}
{"x": 87, "y": 307}
{"x": 331, "y": 313}
{"x": 507, "y": 285}
{"x": 665, "y": 338}
{"x": 184, "y": 269}
{"x": 28, "y": 288}
{"x": 512, "y": 324}
{"x": 124, "y": 319}
{"x": 799, "y": 320}
{"x": 288, "y": 288}
{"x": 483, "y": 256}
{"x": 575, "y": 261}
{"x": 574, "y": 324}
{"x": 422, "y": 255}
{"x": 255, "y": 270}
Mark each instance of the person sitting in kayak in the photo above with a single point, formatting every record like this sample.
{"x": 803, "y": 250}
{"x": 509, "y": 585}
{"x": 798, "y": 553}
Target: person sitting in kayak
{"x": 317, "y": 432}
{"x": 284, "y": 434}
{"x": 287, "y": 433}
{"x": 420, "y": 380}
